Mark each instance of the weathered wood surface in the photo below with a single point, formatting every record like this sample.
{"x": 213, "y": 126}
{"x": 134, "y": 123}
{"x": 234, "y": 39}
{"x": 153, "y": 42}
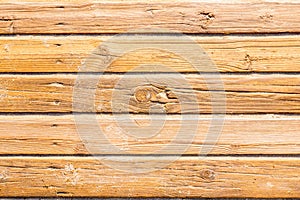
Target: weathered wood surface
{"x": 186, "y": 177}
{"x": 272, "y": 93}
{"x": 257, "y": 152}
{"x": 241, "y": 134}
{"x": 229, "y": 53}
{"x": 119, "y": 16}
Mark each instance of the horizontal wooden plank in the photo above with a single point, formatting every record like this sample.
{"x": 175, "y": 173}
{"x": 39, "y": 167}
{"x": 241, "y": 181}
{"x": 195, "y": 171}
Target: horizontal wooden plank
{"x": 229, "y": 53}
{"x": 119, "y": 16}
{"x": 276, "y": 177}
{"x": 190, "y": 93}
{"x": 241, "y": 134}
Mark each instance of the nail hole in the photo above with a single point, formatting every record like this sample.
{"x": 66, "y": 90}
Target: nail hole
{"x": 59, "y": 61}
{"x": 60, "y": 24}
{"x": 57, "y": 102}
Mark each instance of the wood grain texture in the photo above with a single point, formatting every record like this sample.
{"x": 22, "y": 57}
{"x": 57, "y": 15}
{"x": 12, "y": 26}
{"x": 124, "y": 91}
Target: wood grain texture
{"x": 229, "y": 53}
{"x": 186, "y": 177}
{"x": 244, "y": 94}
{"x": 241, "y": 134}
{"x": 257, "y": 152}
{"x": 120, "y": 16}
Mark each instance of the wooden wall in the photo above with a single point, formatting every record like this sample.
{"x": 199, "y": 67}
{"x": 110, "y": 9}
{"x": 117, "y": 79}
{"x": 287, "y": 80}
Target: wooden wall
{"x": 255, "y": 45}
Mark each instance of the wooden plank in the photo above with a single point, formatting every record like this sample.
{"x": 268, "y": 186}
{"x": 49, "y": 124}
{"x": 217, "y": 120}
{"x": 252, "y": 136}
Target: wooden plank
{"x": 229, "y": 53}
{"x": 276, "y": 177}
{"x": 119, "y": 16}
{"x": 241, "y": 134}
{"x": 272, "y": 93}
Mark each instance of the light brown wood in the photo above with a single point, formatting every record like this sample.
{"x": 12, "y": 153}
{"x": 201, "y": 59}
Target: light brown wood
{"x": 241, "y": 134}
{"x": 186, "y": 177}
{"x": 256, "y": 154}
{"x": 120, "y": 16}
{"x": 229, "y": 53}
{"x": 244, "y": 94}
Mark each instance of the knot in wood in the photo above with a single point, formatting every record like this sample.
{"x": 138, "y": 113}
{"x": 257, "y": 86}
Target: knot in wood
{"x": 142, "y": 94}
{"x": 208, "y": 174}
